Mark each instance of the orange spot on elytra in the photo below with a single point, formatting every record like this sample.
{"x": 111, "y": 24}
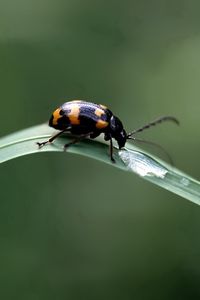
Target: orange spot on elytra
{"x": 99, "y": 112}
{"x": 103, "y": 106}
{"x": 101, "y": 124}
{"x": 74, "y": 114}
{"x": 56, "y": 116}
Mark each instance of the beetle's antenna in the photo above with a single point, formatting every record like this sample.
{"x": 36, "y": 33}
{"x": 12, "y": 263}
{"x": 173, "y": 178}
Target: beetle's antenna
{"x": 153, "y": 123}
{"x": 155, "y": 145}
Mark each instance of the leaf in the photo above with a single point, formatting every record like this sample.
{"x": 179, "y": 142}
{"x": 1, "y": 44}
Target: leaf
{"x": 130, "y": 159}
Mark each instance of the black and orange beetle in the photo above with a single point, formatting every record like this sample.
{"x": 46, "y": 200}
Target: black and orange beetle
{"x": 85, "y": 119}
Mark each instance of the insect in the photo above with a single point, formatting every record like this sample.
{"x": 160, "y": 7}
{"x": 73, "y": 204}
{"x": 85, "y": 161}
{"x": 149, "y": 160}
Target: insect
{"x": 85, "y": 119}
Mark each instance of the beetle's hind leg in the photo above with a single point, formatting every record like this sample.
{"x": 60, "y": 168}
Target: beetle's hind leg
{"x": 49, "y": 141}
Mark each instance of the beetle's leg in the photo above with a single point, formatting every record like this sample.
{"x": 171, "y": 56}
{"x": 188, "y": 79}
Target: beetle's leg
{"x": 108, "y": 137}
{"x": 51, "y": 139}
{"x": 78, "y": 139}
{"x": 111, "y": 151}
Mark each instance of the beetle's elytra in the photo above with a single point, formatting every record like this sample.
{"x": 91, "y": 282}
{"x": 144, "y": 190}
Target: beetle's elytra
{"x": 85, "y": 119}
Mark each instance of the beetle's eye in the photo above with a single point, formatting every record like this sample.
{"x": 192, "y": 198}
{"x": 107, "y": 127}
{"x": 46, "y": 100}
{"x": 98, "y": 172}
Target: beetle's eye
{"x": 123, "y": 134}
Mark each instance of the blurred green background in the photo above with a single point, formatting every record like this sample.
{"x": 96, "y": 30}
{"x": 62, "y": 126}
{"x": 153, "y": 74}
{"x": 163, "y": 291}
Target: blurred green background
{"x": 74, "y": 228}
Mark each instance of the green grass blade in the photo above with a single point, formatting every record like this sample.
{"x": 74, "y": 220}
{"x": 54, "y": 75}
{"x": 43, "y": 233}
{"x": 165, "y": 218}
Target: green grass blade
{"x": 130, "y": 159}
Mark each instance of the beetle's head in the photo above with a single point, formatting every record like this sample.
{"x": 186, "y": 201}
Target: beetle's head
{"x": 117, "y": 131}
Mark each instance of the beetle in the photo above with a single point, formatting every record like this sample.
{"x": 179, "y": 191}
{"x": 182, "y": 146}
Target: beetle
{"x": 86, "y": 119}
